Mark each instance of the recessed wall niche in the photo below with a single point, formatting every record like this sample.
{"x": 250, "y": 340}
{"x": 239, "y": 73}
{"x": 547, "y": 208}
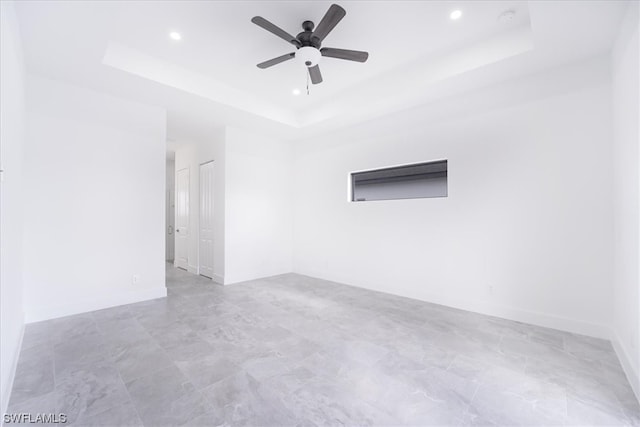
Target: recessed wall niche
{"x": 413, "y": 181}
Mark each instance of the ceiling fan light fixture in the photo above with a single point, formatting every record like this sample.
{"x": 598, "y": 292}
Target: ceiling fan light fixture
{"x": 309, "y": 56}
{"x": 308, "y": 43}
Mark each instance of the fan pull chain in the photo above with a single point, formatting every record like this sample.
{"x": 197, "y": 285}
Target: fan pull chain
{"x": 307, "y": 82}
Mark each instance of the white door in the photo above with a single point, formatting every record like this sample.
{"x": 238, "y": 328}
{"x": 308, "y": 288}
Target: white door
{"x": 182, "y": 219}
{"x": 205, "y": 246}
{"x": 171, "y": 224}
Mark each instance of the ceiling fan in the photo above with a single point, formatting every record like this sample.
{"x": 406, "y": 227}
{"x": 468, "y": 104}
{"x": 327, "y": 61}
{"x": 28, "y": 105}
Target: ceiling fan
{"x": 308, "y": 43}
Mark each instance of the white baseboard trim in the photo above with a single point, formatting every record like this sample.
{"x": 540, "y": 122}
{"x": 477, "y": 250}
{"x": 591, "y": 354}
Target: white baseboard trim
{"x": 545, "y": 320}
{"x": 192, "y": 269}
{"x": 218, "y": 278}
{"x": 6, "y": 394}
{"x": 239, "y": 278}
{"x": 625, "y": 360}
{"x": 95, "y": 302}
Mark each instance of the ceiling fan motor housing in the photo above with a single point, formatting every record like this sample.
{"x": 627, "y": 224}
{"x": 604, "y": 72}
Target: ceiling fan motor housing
{"x": 309, "y": 56}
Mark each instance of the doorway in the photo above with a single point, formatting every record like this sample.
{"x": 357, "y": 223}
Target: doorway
{"x": 205, "y": 239}
{"x": 182, "y": 219}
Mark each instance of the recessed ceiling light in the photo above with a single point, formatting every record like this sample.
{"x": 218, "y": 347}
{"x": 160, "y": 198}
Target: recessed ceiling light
{"x": 296, "y": 92}
{"x": 507, "y": 17}
{"x": 175, "y": 35}
{"x": 455, "y": 15}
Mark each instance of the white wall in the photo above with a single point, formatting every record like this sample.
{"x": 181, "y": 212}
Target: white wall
{"x": 191, "y": 155}
{"x": 94, "y": 200}
{"x": 626, "y": 195}
{"x": 526, "y": 231}
{"x": 12, "y": 116}
{"x": 258, "y": 217}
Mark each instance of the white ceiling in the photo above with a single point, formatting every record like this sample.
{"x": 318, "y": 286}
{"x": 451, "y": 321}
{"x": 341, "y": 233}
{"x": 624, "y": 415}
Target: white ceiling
{"x": 210, "y": 78}
{"x": 219, "y": 40}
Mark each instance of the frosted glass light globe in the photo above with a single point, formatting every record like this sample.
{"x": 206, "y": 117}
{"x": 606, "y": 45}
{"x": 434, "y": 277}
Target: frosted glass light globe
{"x": 309, "y": 56}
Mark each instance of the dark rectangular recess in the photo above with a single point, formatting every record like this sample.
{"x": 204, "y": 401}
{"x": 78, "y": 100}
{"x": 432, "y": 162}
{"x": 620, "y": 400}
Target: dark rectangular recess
{"x": 419, "y": 180}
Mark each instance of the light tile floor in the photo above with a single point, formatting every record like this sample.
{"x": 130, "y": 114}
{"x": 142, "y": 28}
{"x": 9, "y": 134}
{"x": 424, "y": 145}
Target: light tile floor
{"x": 293, "y": 350}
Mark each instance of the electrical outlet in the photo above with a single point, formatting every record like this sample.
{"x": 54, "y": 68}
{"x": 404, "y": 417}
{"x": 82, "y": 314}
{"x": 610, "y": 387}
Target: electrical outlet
{"x": 135, "y": 279}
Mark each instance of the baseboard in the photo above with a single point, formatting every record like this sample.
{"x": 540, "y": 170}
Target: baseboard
{"x": 218, "y": 278}
{"x": 625, "y": 360}
{"x": 6, "y": 394}
{"x": 544, "y": 320}
{"x": 239, "y": 278}
{"x": 192, "y": 269}
{"x": 37, "y": 314}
